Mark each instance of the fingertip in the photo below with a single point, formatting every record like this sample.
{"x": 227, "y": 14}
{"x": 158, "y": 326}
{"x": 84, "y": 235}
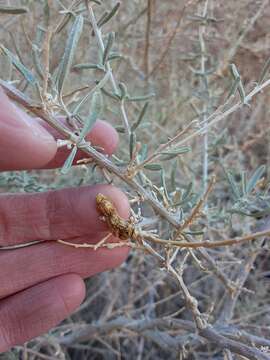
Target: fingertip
{"x": 73, "y": 291}
{"x": 118, "y": 198}
{"x": 44, "y": 142}
{"x": 104, "y": 136}
{"x": 23, "y": 142}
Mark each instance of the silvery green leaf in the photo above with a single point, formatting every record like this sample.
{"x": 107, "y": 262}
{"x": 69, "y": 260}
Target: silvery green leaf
{"x": 132, "y": 142}
{"x": 143, "y": 152}
{"x": 257, "y": 175}
{"x": 63, "y": 23}
{"x": 111, "y": 95}
{"x": 13, "y": 10}
{"x": 233, "y": 88}
{"x": 195, "y": 232}
{"x": 88, "y": 66}
{"x": 98, "y": 2}
{"x": 244, "y": 182}
{"x": 114, "y": 56}
{"x": 183, "y": 198}
{"x": 188, "y": 191}
{"x": 100, "y": 20}
{"x": 98, "y": 87}
{"x": 168, "y": 157}
{"x": 164, "y": 185}
{"x": 238, "y": 80}
{"x": 173, "y": 176}
{"x": 36, "y": 51}
{"x": 123, "y": 91}
{"x": 5, "y": 68}
{"x": 140, "y": 117}
{"x": 69, "y": 161}
{"x": 69, "y": 52}
{"x": 170, "y": 154}
{"x": 234, "y": 187}
{"x": 26, "y": 73}
{"x": 108, "y": 47}
{"x": 141, "y": 98}
{"x": 108, "y": 16}
{"x": 95, "y": 111}
{"x": 153, "y": 167}
{"x": 264, "y": 72}
{"x": 120, "y": 129}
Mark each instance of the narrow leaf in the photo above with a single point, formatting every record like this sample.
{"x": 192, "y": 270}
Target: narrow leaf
{"x": 108, "y": 47}
{"x": 120, "y": 129}
{"x": 141, "y": 98}
{"x": 69, "y": 161}
{"x": 36, "y": 51}
{"x": 63, "y": 23}
{"x": 173, "y": 176}
{"x": 123, "y": 90}
{"x": 108, "y": 17}
{"x": 99, "y": 86}
{"x": 233, "y": 185}
{"x": 110, "y": 95}
{"x": 170, "y": 154}
{"x": 96, "y": 109}
{"x": 114, "y": 56}
{"x": 244, "y": 182}
{"x": 264, "y": 72}
{"x": 27, "y": 74}
{"x": 88, "y": 66}
{"x": 195, "y": 233}
{"x": 233, "y": 89}
{"x": 168, "y": 157}
{"x": 240, "y": 86}
{"x": 164, "y": 185}
{"x": 143, "y": 152}
{"x": 69, "y": 52}
{"x": 188, "y": 191}
{"x": 101, "y": 19}
{"x": 256, "y": 176}
{"x": 132, "y": 143}
{"x": 140, "y": 117}
{"x": 12, "y": 10}
{"x": 153, "y": 167}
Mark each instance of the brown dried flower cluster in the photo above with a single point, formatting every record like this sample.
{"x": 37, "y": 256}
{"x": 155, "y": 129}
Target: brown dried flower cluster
{"x": 119, "y": 227}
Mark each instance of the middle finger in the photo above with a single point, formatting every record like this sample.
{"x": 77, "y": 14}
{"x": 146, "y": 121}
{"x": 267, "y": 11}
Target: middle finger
{"x": 26, "y": 267}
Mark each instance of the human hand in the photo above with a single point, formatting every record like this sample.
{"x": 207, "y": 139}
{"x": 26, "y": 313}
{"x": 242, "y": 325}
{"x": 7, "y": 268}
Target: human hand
{"x": 42, "y": 284}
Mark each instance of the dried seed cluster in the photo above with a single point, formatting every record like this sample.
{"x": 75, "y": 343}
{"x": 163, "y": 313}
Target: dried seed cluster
{"x": 119, "y": 227}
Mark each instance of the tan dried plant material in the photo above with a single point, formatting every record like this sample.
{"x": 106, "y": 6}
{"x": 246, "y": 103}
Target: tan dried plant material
{"x": 119, "y": 227}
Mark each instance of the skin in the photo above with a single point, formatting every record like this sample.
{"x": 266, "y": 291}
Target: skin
{"x": 43, "y": 284}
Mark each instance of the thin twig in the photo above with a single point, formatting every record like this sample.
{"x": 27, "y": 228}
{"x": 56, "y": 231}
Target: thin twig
{"x": 147, "y": 36}
{"x": 170, "y": 41}
{"x": 98, "y": 34}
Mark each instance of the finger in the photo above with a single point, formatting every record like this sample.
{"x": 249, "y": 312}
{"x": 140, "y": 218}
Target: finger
{"x": 52, "y": 215}
{"x": 102, "y": 135}
{"x": 24, "y": 144}
{"x": 37, "y": 309}
{"x": 28, "y": 266}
